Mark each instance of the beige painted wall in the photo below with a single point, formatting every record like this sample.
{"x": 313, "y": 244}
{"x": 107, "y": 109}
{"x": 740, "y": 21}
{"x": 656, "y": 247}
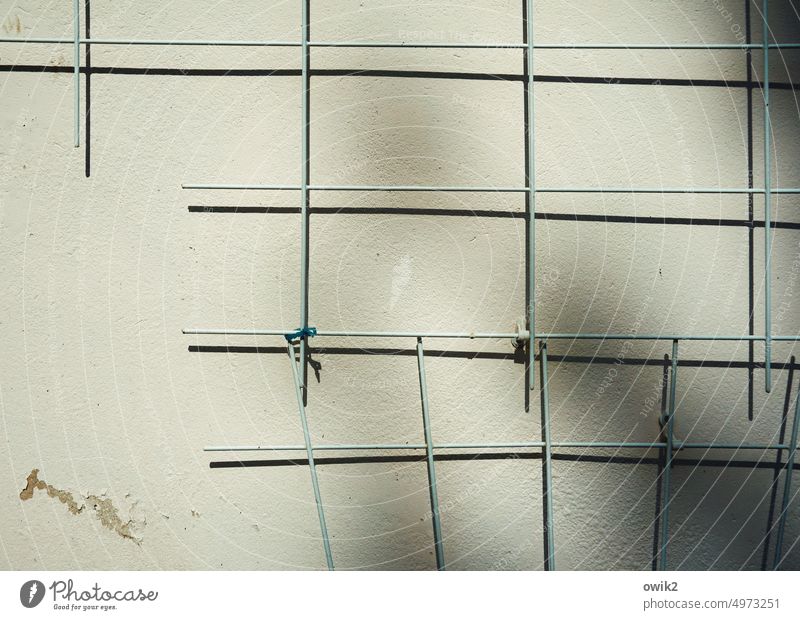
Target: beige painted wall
{"x": 101, "y": 392}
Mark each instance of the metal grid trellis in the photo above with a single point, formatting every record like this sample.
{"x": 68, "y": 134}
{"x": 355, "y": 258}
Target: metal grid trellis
{"x": 525, "y": 336}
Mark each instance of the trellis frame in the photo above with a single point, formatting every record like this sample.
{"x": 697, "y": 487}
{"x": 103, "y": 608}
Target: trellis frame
{"x": 529, "y": 335}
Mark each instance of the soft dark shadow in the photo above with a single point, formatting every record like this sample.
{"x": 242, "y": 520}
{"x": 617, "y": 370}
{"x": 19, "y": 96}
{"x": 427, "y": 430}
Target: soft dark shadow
{"x": 565, "y": 217}
{"x": 517, "y": 356}
{"x": 440, "y": 75}
{"x": 491, "y": 456}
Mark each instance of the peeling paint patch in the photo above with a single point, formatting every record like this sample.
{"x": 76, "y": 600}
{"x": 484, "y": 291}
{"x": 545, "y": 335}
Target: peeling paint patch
{"x": 103, "y": 507}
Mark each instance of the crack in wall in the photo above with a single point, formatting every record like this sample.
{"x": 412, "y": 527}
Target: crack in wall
{"x": 103, "y": 507}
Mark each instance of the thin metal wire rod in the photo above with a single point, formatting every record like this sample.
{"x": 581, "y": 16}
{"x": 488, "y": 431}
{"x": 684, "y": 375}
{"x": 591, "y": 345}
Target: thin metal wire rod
{"x": 304, "y": 191}
{"x": 662, "y": 46}
{"x": 664, "y": 190}
{"x": 76, "y": 72}
{"x": 502, "y": 445}
{"x": 310, "y": 455}
{"x": 521, "y": 336}
{"x": 601, "y": 336}
{"x": 356, "y": 188}
{"x": 241, "y": 186}
{"x": 787, "y": 485}
{"x": 418, "y": 45}
{"x": 547, "y": 457}
{"x": 669, "y": 455}
{"x": 154, "y": 42}
{"x": 498, "y": 189}
{"x": 685, "y": 445}
{"x": 354, "y": 334}
{"x": 390, "y": 446}
{"x": 398, "y": 44}
{"x": 531, "y": 198}
{"x": 767, "y": 204}
{"x": 426, "y": 424}
{"x": 555, "y": 46}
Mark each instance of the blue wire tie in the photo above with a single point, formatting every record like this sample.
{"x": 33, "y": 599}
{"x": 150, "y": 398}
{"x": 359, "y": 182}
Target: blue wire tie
{"x": 301, "y": 332}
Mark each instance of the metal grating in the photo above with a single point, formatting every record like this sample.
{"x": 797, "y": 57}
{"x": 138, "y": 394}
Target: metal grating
{"x": 526, "y": 336}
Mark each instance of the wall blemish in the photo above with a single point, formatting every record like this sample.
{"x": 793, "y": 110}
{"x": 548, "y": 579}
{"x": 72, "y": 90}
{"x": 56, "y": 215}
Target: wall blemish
{"x": 103, "y": 507}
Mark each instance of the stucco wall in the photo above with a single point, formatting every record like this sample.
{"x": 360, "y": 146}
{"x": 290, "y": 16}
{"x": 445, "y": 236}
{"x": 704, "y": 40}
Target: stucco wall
{"x": 103, "y": 260}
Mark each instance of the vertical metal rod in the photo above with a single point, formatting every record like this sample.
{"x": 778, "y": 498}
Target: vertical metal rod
{"x": 668, "y": 459}
{"x": 310, "y": 452}
{"x": 426, "y": 423}
{"x": 767, "y": 205}
{"x": 550, "y": 560}
{"x": 531, "y": 184}
{"x": 76, "y": 51}
{"x": 787, "y": 485}
{"x": 304, "y": 193}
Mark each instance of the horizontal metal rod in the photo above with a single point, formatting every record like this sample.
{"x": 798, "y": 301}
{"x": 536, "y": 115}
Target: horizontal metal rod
{"x": 661, "y": 46}
{"x": 678, "y": 445}
{"x": 418, "y": 45}
{"x": 703, "y": 337}
{"x": 355, "y": 334}
{"x": 664, "y": 190}
{"x": 400, "y": 44}
{"x": 467, "y": 188}
{"x": 517, "y": 336}
{"x": 602, "y": 336}
{"x": 154, "y": 42}
{"x": 356, "y": 188}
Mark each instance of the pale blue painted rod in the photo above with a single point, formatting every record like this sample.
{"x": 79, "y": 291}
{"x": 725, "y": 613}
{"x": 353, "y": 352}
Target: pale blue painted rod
{"x": 214, "y": 331}
{"x": 531, "y": 191}
{"x": 399, "y": 44}
{"x": 310, "y": 454}
{"x": 434, "y": 494}
{"x": 669, "y": 458}
{"x": 787, "y": 485}
{"x": 304, "y": 193}
{"x": 513, "y": 444}
{"x": 76, "y": 57}
{"x": 354, "y": 334}
{"x": 547, "y": 460}
{"x": 498, "y": 189}
{"x": 767, "y": 205}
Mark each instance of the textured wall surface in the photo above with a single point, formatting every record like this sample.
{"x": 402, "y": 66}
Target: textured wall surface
{"x": 104, "y": 259}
